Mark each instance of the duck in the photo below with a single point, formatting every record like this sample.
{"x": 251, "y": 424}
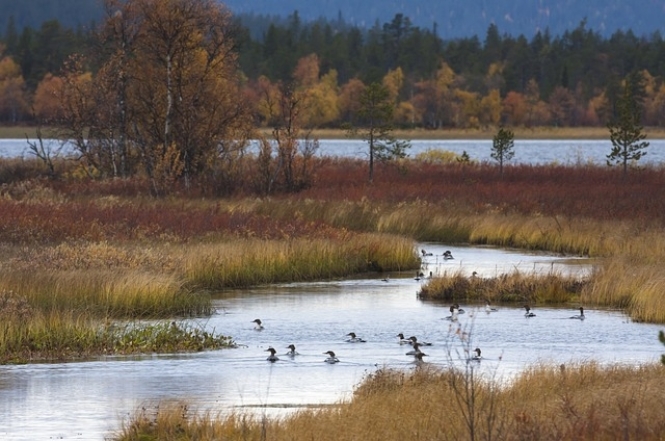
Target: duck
{"x": 403, "y": 340}
{"x": 447, "y": 255}
{"x": 459, "y": 310}
{"x": 454, "y": 312}
{"x": 418, "y": 358}
{"x": 414, "y": 340}
{"x": 259, "y": 324}
{"x": 332, "y": 358}
{"x": 419, "y": 275}
{"x": 528, "y": 312}
{"x": 272, "y": 357}
{"x": 425, "y": 253}
{"x": 386, "y": 279}
{"x": 476, "y": 355}
{"x": 292, "y": 350}
{"x": 416, "y": 349}
{"x": 354, "y": 339}
{"x": 580, "y": 316}
{"x": 488, "y": 308}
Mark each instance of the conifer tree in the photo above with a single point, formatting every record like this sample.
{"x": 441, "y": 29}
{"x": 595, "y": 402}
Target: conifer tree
{"x": 626, "y": 132}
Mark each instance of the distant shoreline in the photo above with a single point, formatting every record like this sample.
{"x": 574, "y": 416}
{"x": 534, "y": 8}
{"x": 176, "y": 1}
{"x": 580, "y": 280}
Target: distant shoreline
{"x": 20, "y": 132}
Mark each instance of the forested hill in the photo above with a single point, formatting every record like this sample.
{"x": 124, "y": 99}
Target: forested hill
{"x": 453, "y": 18}
{"x": 456, "y": 18}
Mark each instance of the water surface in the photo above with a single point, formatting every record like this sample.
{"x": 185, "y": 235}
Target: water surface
{"x": 88, "y": 400}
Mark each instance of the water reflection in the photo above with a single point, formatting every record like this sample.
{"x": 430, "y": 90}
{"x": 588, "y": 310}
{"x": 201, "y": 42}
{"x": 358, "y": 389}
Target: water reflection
{"x": 86, "y": 400}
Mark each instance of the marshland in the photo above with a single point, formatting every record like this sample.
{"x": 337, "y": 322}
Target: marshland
{"x": 93, "y": 269}
{"x": 190, "y": 201}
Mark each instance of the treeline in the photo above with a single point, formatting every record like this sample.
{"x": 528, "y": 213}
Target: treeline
{"x": 569, "y": 80}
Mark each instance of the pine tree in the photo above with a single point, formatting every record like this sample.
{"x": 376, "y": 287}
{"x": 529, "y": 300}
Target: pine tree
{"x": 502, "y": 147}
{"x": 626, "y": 132}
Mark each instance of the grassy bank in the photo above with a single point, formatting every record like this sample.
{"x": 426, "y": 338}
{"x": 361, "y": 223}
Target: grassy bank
{"x": 546, "y": 403}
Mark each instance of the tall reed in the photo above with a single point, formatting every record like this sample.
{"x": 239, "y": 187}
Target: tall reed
{"x": 255, "y": 262}
{"x": 513, "y": 287}
{"x": 106, "y": 293}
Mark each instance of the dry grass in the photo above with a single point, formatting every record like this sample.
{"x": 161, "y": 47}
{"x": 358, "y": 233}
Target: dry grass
{"x": 507, "y": 288}
{"x": 545, "y": 403}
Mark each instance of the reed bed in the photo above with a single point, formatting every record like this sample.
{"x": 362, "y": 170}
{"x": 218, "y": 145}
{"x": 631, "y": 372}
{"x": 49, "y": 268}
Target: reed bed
{"x": 256, "y": 262}
{"x": 508, "y": 288}
{"x": 29, "y": 335}
{"x": 106, "y": 294}
{"x": 546, "y": 403}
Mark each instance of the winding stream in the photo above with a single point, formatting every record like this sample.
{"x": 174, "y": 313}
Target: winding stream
{"x": 88, "y": 400}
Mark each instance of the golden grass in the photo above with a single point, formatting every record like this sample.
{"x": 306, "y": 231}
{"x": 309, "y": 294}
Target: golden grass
{"x": 546, "y": 403}
{"x": 507, "y": 288}
{"x": 256, "y": 262}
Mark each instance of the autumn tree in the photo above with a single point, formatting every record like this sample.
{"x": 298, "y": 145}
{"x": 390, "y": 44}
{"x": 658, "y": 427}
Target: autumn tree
{"x": 167, "y": 93}
{"x": 502, "y": 147}
{"x": 13, "y": 103}
{"x": 626, "y": 132}
{"x": 376, "y": 114}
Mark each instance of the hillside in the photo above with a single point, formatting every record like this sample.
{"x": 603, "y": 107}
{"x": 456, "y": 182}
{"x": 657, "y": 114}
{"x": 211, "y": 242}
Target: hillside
{"x": 452, "y": 18}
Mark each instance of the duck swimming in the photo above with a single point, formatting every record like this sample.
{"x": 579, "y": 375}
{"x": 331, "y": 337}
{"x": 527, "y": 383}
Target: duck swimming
{"x": 292, "y": 350}
{"x": 580, "y": 316}
{"x": 332, "y": 358}
{"x": 258, "y": 326}
{"x": 528, "y": 312}
{"x": 416, "y": 349}
{"x": 454, "y": 312}
{"x": 488, "y": 308}
{"x": 354, "y": 339}
{"x": 414, "y": 340}
{"x": 272, "y": 357}
{"x": 447, "y": 255}
{"x": 403, "y": 340}
{"x": 476, "y": 354}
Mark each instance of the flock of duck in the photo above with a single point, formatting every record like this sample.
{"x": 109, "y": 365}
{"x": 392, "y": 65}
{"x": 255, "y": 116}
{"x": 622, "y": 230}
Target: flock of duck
{"x": 413, "y": 341}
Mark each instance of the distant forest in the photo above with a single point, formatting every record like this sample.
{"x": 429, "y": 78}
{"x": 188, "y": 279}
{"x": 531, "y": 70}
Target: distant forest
{"x": 571, "y": 79}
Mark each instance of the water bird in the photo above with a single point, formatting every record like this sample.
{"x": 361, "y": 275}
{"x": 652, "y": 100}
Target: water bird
{"x": 272, "y": 357}
{"x": 528, "y": 312}
{"x": 332, "y": 358}
{"x": 476, "y": 354}
{"x": 403, "y": 340}
{"x": 418, "y": 357}
{"x": 425, "y": 253}
{"x": 447, "y": 255}
{"x": 416, "y": 349}
{"x": 414, "y": 340}
{"x": 580, "y": 316}
{"x": 386, "y": 279}
{"x": 292, "y": 350}
{"x": 454, "y": 312}
{"x": 354, "y": 339}
{"x": 459, "y": 310}
{"x": 259, "y": 324}
{"x": 488, "y": 308}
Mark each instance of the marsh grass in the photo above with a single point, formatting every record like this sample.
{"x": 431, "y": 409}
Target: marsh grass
{"x": 514, "y": 287}
{"x": 257, "y": 262}
{"x": 546, "y": 403}
{"x": 106, "y": 294}
{"x": 66, "y": 336}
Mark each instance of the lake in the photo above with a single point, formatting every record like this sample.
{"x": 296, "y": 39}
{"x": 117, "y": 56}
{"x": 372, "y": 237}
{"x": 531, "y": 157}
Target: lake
{"x": 569, "y": 152}
{"x": 87, "y": 400}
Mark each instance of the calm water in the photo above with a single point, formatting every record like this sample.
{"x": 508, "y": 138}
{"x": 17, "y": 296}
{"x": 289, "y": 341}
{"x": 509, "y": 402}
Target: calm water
{"x": 87, "y": 400}
{"x": 526, "y": 151}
